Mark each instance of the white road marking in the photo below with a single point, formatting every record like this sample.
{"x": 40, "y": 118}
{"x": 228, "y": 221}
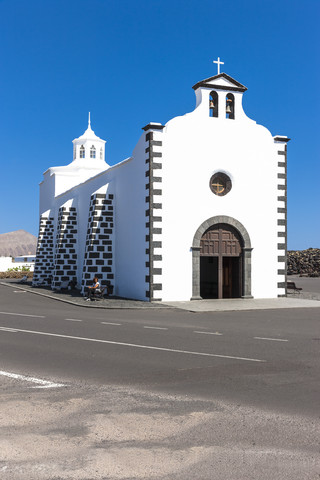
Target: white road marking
{"x": 156, "y": 328}
{"x": 6, "y": 329}
{"x": 148, "y": 347}
{"x": 22, "y": 315}
{"x": 272, "y": 339}
{"x": 208, "y": 333}
{"x": 19, "y": 291}
{"x": 42, "y": 383}
{"x": 110, "y": 323}
{"x": 73, "y": 320}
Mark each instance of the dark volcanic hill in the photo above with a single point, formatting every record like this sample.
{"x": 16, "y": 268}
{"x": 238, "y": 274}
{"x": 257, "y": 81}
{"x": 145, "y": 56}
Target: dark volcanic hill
{"x": 17, "y": 243}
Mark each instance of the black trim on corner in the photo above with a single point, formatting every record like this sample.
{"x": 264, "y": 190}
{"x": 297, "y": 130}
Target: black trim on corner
{"x": 152, "y": 219}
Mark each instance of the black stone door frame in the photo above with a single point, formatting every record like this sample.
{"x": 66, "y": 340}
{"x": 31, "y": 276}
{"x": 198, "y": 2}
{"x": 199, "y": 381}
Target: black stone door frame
{"x": 246, "y": 254}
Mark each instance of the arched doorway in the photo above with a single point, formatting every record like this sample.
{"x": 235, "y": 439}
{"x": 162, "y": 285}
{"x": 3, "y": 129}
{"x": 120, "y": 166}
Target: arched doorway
{"x": 220, "y": 262}
{"x": 221, "y": 259}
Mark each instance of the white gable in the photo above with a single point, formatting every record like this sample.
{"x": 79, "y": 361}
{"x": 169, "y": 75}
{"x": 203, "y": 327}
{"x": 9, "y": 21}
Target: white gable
{"x": 222, "y": 81}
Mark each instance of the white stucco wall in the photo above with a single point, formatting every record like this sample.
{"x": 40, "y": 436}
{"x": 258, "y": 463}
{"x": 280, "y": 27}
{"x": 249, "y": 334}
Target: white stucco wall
{"x": 193, "y": 148}
{"x": 127, "y": 182}
{"x": 130, "y": 229}
{"x": 196, "y": 146}
{"x": 5, "y": 263}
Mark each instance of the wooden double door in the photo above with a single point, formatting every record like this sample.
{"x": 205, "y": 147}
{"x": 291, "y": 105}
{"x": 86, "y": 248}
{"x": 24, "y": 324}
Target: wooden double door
{"x": 221, "y": 263}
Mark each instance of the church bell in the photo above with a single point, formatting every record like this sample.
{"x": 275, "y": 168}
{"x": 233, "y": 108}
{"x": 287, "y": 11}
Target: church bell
{"x": 211, "y": 104}
{"x": 228, "y": 109}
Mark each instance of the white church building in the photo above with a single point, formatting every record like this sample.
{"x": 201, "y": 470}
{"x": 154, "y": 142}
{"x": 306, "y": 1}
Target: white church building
{"x": 198, "y": 211}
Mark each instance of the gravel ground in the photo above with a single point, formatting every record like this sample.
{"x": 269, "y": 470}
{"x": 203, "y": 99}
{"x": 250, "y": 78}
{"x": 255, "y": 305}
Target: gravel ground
{"x": 82, "y": 432}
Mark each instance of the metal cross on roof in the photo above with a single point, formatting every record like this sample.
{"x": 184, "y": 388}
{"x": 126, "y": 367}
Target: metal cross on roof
{"x": 219, "y": 63}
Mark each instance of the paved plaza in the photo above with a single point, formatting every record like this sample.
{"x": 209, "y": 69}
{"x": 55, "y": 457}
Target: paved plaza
{"x": 308, "y": 297}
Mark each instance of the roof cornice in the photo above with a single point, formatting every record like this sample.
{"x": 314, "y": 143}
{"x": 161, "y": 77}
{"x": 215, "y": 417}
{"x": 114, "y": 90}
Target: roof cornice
{"x": 153, "y": 126}
{"x": 280, "y": 138}
{"x": 209, "y": 83}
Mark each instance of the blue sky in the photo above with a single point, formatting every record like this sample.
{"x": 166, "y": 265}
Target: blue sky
{"x": 132, "y": 62}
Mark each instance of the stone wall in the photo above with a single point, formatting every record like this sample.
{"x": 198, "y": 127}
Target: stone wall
{"x": 304, "y": 262}
{"x": 4, "y": 275}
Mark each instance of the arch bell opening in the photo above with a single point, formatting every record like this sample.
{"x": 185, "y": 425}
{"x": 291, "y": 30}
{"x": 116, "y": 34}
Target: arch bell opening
{"x": 221, "y": 260}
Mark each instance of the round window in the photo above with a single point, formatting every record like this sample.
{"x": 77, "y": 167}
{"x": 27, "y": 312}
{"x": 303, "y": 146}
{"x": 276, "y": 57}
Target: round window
{"x": 220, "y": 184}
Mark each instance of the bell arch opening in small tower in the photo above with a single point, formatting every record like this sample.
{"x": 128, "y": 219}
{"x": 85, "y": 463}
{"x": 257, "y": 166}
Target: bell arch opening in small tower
{"x": 213, "y": 104}
{"x": 92, "y": 152}
{"x": 82, "y": 152}
{"x": 230, "y": 106}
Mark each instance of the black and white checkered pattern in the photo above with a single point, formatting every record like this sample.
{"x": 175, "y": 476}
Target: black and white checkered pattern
{"x": 98, "y": 258}
{"x": 65, "y": 258}
{"x": 45, "y": 251}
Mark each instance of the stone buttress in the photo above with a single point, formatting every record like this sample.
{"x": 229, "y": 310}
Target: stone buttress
{"x": 65, "y": 258}
{"x": 98, "y": 257}
{"x": 45, "y": 250}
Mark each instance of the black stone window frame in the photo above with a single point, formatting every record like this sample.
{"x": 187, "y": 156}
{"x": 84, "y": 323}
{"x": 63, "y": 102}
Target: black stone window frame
{"x": 223, "y": 179}
{"x": 92, "y": 152}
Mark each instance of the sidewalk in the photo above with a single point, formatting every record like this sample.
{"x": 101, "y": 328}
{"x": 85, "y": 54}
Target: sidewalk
{"x": 303, "y": 300}
{"x": 309, "y": 297}
{"x": 232, "y": 304}
{"x": 74, "y": 297}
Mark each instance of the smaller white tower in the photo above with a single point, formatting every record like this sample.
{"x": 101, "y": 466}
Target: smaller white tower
{"x": 88, "y": 161}
{"x": 89, "y": 150}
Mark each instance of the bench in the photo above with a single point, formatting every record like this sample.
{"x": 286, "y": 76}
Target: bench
{"x": 107, "y": 291}
{"x": 100, "y": 293}
{"x": 292, "y": 286}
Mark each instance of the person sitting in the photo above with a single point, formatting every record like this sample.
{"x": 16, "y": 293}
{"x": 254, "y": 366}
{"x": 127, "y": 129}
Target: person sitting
{"x": 94, "y": 289}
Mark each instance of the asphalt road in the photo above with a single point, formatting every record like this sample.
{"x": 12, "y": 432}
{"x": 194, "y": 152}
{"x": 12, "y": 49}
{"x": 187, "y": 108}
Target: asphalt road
{"x": 265, "y": 358}
{"x": 250, "y": 364}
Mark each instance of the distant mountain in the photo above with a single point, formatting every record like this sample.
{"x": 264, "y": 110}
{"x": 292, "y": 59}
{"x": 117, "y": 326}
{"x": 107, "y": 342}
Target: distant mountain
{"x": 17, "y": 243}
